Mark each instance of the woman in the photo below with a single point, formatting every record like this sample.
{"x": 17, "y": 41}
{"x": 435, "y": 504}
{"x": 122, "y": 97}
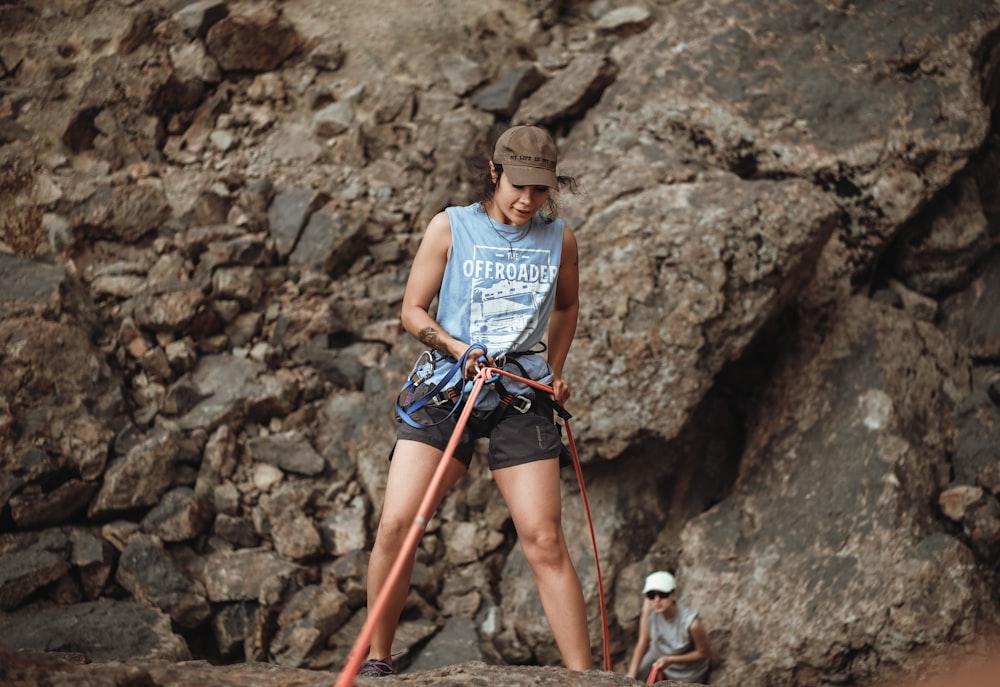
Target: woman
{"x": 505, "y": 276}
{"x": 672, "y": 639}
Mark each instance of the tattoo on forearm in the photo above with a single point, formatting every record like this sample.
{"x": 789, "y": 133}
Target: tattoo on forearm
{"x": 429, "y": 337}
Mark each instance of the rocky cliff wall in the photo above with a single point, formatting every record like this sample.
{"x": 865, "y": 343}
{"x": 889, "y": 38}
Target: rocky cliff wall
{"x": 786, "y": 372}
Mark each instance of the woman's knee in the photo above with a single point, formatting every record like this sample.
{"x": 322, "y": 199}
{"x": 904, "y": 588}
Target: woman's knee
{"x": 545, "y": 546}
{"x": 392, "y": 530}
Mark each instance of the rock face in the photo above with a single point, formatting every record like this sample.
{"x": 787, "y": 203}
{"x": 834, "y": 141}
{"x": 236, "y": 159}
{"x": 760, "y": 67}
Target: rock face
{"x": 786, "y": 377}
{"x": 835, "y": 510}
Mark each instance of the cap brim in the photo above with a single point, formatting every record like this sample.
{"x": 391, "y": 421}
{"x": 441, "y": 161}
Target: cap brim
{"x": 530, "y": 176}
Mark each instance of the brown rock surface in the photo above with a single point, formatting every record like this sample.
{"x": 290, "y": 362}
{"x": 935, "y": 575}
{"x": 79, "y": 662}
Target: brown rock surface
{"x": 785, "y": 375}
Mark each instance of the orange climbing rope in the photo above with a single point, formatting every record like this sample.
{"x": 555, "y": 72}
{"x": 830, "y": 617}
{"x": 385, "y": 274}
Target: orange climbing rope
{"x": 424, "y": 512}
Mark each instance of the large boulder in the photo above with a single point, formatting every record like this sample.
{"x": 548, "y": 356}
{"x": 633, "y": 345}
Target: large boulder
{"x": 829, "y": 546}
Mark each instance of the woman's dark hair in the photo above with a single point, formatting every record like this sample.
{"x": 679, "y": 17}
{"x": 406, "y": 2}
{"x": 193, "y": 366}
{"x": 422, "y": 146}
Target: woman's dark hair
{"x": 552, "y": 206}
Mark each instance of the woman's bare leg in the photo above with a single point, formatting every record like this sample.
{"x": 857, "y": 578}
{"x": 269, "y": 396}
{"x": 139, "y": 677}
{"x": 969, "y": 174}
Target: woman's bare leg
{"x": 532, "y": 494}
{"x": 410, "y": 473}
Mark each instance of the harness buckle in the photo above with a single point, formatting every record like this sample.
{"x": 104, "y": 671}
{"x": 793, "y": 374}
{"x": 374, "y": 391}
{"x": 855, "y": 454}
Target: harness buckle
{"x": 423, "y": 368}
{"x": 449, "y": 395}
{"x": 521, "y": 404}
{"x": 439, "y": 400}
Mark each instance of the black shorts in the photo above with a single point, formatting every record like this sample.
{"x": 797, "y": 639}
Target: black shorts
{"x": 517, "y": 439}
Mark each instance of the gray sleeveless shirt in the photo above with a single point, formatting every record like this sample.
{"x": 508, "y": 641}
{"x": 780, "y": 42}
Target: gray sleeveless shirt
{"x": 671, "y": 637}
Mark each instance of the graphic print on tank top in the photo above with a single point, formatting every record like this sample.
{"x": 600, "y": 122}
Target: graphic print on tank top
{"x": 509, "y": 285}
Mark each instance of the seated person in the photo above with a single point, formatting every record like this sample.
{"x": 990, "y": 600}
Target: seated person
{"x": 673, "y": 642}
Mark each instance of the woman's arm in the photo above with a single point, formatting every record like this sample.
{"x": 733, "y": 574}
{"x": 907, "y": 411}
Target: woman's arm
{"x": 426, "y": 275}
{"x": 642, "y": 644}
{"x": 562, "y": 324}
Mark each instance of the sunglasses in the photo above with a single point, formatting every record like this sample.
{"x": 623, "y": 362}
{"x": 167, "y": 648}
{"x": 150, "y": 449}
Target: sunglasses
{"x": 658, "y": 595}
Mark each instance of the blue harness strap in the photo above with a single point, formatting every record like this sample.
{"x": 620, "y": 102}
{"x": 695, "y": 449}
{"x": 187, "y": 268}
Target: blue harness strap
{"x": 422, "y": 371}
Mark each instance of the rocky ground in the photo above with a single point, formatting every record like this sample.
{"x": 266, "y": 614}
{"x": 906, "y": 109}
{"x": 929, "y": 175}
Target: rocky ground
{"x": 786, "y": 376}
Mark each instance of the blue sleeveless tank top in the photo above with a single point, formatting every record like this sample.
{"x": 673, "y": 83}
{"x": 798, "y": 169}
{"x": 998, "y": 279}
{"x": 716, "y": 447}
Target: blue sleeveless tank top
{"x": 499, "y": 288}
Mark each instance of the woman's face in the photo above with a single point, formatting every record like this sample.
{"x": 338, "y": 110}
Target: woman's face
{"x": 518, "y": 204}
{"x": 663, "y": 603}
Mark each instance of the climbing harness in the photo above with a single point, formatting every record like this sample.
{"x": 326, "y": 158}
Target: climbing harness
{"x": 486, "y": 375}
{"x": 423, "y": 370}
{"x": 445, "y": 393}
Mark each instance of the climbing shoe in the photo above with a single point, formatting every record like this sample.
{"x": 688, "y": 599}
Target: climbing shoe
{"x": 375, "y": 668}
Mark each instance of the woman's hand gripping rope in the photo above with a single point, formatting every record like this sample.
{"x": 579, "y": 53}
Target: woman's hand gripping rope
{"x": 474, "y": 365}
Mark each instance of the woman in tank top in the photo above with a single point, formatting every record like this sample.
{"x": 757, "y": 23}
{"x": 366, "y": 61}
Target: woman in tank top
{"x": 505, "y": 275}
{"x": 673, "y": 643}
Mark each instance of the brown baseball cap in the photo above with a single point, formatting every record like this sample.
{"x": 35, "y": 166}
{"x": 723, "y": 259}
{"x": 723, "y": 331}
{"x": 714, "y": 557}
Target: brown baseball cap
{"x": 528, "y": 155}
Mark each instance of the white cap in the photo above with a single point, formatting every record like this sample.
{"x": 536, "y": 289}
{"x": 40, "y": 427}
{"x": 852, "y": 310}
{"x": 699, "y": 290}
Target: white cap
{"x": 659, "y": 582}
